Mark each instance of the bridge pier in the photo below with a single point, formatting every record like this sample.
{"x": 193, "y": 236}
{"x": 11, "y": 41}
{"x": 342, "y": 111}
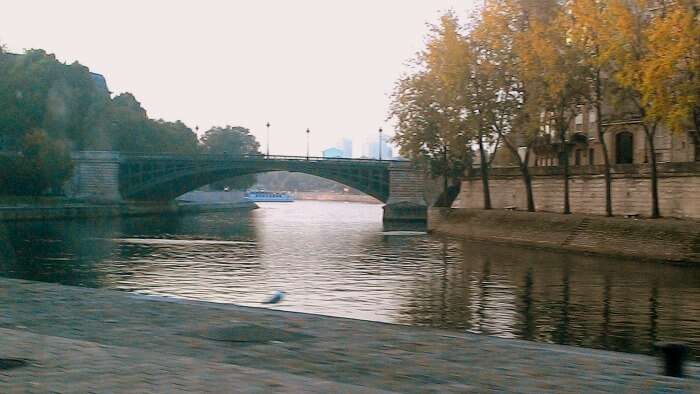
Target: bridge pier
{"x": 95, "y": 176}
{"x": 407, "y": 200}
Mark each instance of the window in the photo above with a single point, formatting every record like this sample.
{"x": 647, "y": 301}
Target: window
{"x": 579, "y": 121}
{"x": 591, "y": 157}
{"x": 624, "y": 148}
{"x": 577, "y": 157}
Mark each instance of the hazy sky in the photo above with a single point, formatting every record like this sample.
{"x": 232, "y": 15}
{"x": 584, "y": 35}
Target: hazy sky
{"x": 326, "y": 65}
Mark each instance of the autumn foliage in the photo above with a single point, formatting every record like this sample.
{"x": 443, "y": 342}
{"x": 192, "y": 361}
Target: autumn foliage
{"x": 519, "y": 71}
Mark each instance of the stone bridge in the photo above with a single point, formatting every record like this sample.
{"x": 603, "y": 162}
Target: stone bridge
{"x": 116, "y": 176}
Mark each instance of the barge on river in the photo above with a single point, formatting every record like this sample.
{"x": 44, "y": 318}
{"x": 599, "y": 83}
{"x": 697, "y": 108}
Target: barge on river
{"x": 263, "y": 196}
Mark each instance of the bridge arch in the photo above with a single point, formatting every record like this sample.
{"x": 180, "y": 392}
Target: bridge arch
{"x": 115, "y": 176}
{"x": 167, "y": 177}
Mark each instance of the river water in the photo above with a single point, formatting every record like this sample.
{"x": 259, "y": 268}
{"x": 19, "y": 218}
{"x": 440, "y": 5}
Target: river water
{"x": 336, "y": 259}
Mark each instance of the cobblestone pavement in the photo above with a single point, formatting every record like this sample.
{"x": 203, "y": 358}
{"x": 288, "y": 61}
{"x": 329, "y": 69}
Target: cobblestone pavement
{"x": 81, "y": 340}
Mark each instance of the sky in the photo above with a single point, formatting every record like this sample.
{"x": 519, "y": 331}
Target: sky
{"x": 328, "y": 66}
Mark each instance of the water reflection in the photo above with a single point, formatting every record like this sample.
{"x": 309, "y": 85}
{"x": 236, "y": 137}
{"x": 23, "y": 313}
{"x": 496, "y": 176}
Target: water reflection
{"x": 557, "y": 298}
{"x": 337, "y": 259}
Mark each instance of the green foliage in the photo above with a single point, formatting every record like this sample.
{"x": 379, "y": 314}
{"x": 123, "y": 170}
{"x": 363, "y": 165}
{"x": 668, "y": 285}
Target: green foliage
{"x": 129, "y": 129}
{"x": 37, "y": 91}
{"x": 44, "y": 164}
{"x": 231, "y": 141}
{"x": 74, "y": 111}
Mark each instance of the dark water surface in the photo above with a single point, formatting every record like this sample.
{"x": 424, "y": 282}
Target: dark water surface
{"x": 337, "y": 259}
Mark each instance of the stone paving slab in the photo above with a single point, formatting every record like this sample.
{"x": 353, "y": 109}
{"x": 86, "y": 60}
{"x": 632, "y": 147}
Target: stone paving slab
{"x": 70, "y": 366}
{"x": 130, "y": 335}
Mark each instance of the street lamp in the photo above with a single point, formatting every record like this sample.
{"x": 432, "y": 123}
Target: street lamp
{"x": 307, "y": 143}
{"x": 268, "y": 139}
{"x": 380, "y": 144}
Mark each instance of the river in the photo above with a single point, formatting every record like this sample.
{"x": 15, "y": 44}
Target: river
{"x": 337, "y": 259}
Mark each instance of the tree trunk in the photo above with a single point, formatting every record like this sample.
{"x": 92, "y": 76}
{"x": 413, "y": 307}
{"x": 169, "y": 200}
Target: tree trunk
{"x": 484, "y": 173}
{"x": 445, "y": 179}
{"x": 527, "y": 179}
{"x": 696, "y": 133}
{"x": 524, "y": 171}
{"x": 565, "y": 164}
{"x": 604, "y": 145}
{"x": 608, "y": 176}
{"x": 649, "y": 132}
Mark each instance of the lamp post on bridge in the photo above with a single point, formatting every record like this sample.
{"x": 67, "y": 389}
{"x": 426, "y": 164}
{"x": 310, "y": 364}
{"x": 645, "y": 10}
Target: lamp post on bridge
{"x": 307, "y": 143}
{"x": 379, "y": 147}
{"x": 268, "y": 139}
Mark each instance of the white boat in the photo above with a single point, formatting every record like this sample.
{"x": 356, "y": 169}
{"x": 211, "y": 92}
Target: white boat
{"x": 263, "y": 196}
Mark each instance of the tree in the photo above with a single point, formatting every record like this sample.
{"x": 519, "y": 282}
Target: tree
{"x": 670, "y": 79}
{"x": 496, "y": 36}
{"x": 428, "y": 106}
{"x": 556, "y": 81}
{"x": 175, "y": 137}
{"x": 50, "y": 107}
{"x": 44, "y": 165}
{"x": 625, "y": 49}
{"x": 235, "y": 141}
{"x": 585, "y": 24}
{"x": 40, "y": 92}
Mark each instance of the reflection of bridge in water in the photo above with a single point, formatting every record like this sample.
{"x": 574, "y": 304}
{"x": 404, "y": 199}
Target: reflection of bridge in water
{"x": 117, "y": 176}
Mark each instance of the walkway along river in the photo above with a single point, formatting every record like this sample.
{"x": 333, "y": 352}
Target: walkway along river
{"x": 336, "y": 259}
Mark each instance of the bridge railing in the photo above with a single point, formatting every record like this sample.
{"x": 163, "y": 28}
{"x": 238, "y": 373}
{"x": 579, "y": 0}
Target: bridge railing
{"x": 255, "y": 157}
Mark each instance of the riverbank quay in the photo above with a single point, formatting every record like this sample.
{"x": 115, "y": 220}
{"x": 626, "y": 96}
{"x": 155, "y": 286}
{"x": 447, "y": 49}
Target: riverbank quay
{"x": 672, "y": 240}
{"x": 342, "y": 197}
{"x": 47, "y": 210}
{"x": 80, "y": 339}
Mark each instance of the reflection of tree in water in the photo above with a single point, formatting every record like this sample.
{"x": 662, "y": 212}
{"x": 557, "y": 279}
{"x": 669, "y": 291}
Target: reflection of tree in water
{"x": 527, "y": 312}
{"x": 156, "y": 252}
{"x": 578, "y": 300}
{"x": 98, "y": 253}
{"x": 605, "y": 334}
{"x": 562, "y": 332}
{"x": 67, "y": 252}
{"x": 231, "y": 225}
{"x": 653, "y": 314}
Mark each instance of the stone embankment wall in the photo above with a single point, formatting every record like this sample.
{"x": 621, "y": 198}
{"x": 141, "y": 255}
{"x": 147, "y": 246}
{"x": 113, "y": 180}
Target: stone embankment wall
{"x": 361, "y": 198}
{"x": 213, "y": 197}
{"x": 83, "y": 211}
{"x": 679, "y": 190}
{"x": 94, "y": 211}
{"x": 661, "y": 239}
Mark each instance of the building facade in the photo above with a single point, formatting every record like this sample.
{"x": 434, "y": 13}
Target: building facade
{"x": 624, "y": 137}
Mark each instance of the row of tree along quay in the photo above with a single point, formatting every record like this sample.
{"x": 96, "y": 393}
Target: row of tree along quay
{"x": 518, "y": 73}
{"x": 48, "y": 109}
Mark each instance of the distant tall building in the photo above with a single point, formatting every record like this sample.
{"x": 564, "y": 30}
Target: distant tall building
{"x": 374, "y": 147}
{"x": 346, "y": 146}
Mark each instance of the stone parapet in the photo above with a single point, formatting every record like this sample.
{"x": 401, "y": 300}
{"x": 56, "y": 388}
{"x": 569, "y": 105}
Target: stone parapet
{"x": 679, "y": 190}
